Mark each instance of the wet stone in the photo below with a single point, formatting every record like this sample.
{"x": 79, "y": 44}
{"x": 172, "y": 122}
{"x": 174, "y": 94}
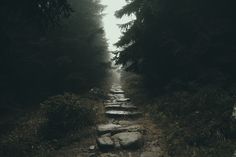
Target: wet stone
{"x": 115, "y": 113}
{"x": 105, "y": 143}
{"x": 131, "y": 140}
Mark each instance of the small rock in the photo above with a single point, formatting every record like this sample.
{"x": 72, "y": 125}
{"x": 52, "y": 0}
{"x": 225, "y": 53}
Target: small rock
{"x": 105, "y": 143}
{"x": 129, "y": 139}
{"x": 92, "y": 148}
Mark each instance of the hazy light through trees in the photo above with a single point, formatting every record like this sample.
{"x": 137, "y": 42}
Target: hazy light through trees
{"x": 110, "y": 22}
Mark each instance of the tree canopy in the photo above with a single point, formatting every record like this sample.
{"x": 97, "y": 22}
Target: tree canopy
{"x": 179, "y": 39}
{"x": 50, "y": 46}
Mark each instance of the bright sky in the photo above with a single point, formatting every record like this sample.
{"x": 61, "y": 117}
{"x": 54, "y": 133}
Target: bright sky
{"x": 110, "y": 22}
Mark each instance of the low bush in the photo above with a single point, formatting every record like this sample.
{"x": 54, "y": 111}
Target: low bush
{"x": 64, "y": 113}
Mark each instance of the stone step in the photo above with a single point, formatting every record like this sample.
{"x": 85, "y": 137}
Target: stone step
{"x": 123, "y": 100}
{"x": 125, "y": 140}
{"x": 126, "y": 107}
{"x": 116, "y": 96}
{"x": 121, "y": 113}
{"x": 117, "y": 91}
{"x": 116, "y": 86}
{"x": 116, "y": 128}
{"x": 105, "y": 143}
{"x": 128, "y": 140}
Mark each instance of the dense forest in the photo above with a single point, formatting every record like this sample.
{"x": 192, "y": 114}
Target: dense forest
{"x": 185, "y": 52}
{"x": 50, "y": 47}
{"x": 178, "y": 61}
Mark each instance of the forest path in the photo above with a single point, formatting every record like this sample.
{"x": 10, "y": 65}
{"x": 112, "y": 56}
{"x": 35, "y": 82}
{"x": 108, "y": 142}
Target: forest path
{"x": 122, "y": 131}
{"x": 127, "y": 131}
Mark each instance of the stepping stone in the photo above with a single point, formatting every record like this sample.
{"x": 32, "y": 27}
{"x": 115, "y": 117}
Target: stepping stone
{"x": 116, "y": 86}
{"x": 117, "y": 91}
{"x": 107, "y": 128}
{"x": 124, "y": 122}
{"x": 128, "y": 139}
{"x": 122, "y": 107}
{"x": 114, "y": 128}
{"x": 123, "y": 100}
{"x": 115, "y": 113}
{"x": 105, "y": 143}
{"x": 113, "y": 103}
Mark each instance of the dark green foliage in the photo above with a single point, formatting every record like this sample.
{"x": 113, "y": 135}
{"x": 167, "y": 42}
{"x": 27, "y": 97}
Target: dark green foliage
{"x": 64, "y": 114}
{"x": 48, "y": 47}
{"x": 179, "y": 39}
{"x": 185, "y": 51}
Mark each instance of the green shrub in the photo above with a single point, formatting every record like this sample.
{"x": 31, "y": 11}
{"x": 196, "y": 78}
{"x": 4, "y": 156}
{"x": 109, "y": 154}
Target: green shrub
{"x": 63, "y": 114}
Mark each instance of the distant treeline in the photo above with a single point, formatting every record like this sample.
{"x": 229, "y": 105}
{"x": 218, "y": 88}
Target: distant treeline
{"x": 187, "y": 40}
{"x": 50, "y": 46}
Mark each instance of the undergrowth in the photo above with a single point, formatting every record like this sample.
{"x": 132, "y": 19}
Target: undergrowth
{"x": 61, "y": 120}
{"x": 197, "y": 121}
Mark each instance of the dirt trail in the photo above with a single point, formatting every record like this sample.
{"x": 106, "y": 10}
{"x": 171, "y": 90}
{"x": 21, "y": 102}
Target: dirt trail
{"x": 125, "y": 132}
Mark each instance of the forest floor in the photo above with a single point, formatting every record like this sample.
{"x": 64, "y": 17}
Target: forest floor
{"x": 156, "y": 132}
{"x": 152, "y": 145}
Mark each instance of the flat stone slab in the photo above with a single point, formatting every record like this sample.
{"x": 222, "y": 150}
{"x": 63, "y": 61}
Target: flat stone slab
{"x": 123, "y": 100}
{"x": 128, "y": 140}
{"x": 118, "y": 113}
{"x": 121, "y": 107}
{"x": 114, "y": 128}
{"x": 117, "y": 91}
{"x": 105, "y": 143}
{"x": 107, "y": 128}
{"x": 113, "y": 103}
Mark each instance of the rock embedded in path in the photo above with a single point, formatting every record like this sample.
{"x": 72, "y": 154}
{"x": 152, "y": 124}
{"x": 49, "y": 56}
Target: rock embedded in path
{"x": 121, "y": 107}
{"x": 107, "y": 128}
{"x": 117, "y": 91}
{"x": 131, "y": 140}
{"x": 116, "y": 113}
{"x": 123, "y": 100}
{"x": 114, "y": 128}
{"x": 113, "y": 103}
{"x": 105, "y": 143}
